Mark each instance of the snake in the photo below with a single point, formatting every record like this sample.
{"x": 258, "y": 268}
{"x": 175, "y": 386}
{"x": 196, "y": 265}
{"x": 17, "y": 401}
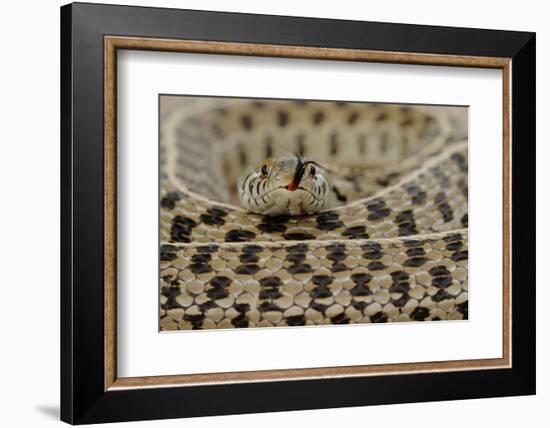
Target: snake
{"x": 280, "y": 213}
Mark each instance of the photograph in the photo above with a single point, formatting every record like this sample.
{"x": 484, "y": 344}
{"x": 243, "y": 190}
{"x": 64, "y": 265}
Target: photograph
{"x": 291, "y": 212}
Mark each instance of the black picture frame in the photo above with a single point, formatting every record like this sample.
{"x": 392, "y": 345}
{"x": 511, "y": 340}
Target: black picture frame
{"x": 83, "y": 396}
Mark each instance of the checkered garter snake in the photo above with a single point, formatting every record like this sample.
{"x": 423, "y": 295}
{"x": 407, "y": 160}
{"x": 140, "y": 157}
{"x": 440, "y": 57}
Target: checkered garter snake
{"x": 369, "y": 222}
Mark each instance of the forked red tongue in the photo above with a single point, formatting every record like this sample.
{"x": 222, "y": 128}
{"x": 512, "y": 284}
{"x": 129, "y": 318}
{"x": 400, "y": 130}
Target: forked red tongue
{"x": 297, "y": 176}
{"x": 292, "y": 186}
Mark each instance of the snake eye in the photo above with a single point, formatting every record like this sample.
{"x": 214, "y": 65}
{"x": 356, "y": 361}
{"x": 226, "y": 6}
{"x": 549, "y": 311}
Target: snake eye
{"x": 312, "y": 171}
{"x": 264, "y": 170}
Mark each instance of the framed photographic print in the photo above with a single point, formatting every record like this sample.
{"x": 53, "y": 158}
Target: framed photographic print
{"x": 292, "y": 213}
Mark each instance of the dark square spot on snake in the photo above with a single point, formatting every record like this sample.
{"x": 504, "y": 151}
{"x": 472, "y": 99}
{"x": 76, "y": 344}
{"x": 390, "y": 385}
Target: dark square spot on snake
{"x": 201, "y": 258}
{"x": 361, "y": 278}
{"x": 168, "y": 203}
{"x": 361, "y": 289}
{"x": 420, "y": 313}
{"x": 272, "y": 227}
{"x": 173, "y": 196}
{"x": 453, "y": 246}
{"x": 270, "y": 293}
{"x": 340, "y": 319}
{"x": 379, "y": 317}
{"x": 419, "y": 198}
{"x": 341, "y": 197}
{"x": 268, "y": 306}
{"x": 170, "y": 292}
{"x": 402, "y": 301}
{"x": 407, "y": 229}
{"x": 300, "y": 268}
{"x": 252, "y": 249}
{"x": 168, "y": 253}
{"x": 417, "y": 251}
{"x": 298, "y": 236}
{"x": 404, "y": 216}
{"x": 399, "y": 275}
{"x": 277, "y": 219}
{"x": 320, "y": 292}
{"x": 464, "y": 220}
{"x": 359, "y": 305}
{"x": 440, "y": 197}
{"x": 352, "y": 118}
{"x": 240, "y": 321}
{"x": 247, "y": 269}
{"x": 400, "y": 287}
{"x": 196, "y": 321}
{"x": 338, "y": 267}
{"x": 295, "y": 257}
{"x": 217, "y": 287}
{"x": 209, "y": 304}
{"x": 319, "y": 307}
{"x": 371, "y": 246}
{"x": 356, "y": 232}
{"x": 237, "y": 235}
{"x": 336, "y": 247}
{"x": 328, "y": 221}
{"x": 463, "y": 309}
{"x": 271, "y": 281}
{"x": 318, "y": 117}
{"x": 322, "y": 280}
{"x": 459, "y": 256}
{"x": 446, "y": 211}
{"x": 298, "y": 248}
{"x": 336, "y": 256}
{"x": 442, "y": 281}
{"x": 461, "y": 161}
{"x": 198, "y": 268}
{"x": 441, "y": 295}
{"x": 406, "y": 122}
{"x": 381, "y": 117}
{"x": 295, "y": 320}
{"x": 282, "y": 118}
{"x": 218, "y": 211}
{"x": 181, "y": 228}
{"x": 209, "y": 248}
{"x": 246, "y": 257}
{"x": 453, "y": 237}
{"x": 246, "y": 122}
{"x": 170, "y": 304}
{"x": 376, "y": 265}
{"x": 241, "y": 307}
{"x": 415, "y": 261}
{"x": 439, "y": 271}
{"x": 380, "y": 213}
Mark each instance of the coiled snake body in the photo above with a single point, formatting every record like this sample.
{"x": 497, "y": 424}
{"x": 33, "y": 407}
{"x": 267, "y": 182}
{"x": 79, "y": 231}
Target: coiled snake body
{"x": 392, "y": 244}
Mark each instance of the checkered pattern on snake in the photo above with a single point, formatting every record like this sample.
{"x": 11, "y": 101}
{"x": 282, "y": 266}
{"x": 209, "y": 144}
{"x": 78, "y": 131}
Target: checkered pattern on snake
{"x": 394, "y": 247}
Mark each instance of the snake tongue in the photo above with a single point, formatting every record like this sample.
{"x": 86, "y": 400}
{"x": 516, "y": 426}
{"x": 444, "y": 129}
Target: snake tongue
{"x": 292, "y": 186}
{"x": 297, "y": 176}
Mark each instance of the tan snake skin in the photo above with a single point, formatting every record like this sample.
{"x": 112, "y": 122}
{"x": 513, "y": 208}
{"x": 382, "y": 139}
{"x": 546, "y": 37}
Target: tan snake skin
{"x": 395, "y": 248}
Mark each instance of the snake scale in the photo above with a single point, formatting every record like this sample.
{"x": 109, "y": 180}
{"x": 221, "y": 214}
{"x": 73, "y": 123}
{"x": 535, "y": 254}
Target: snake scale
{"x": 391, "y": 246}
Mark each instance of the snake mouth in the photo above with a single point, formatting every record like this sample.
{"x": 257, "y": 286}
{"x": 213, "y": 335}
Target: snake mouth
{"x": 313, "y": 195}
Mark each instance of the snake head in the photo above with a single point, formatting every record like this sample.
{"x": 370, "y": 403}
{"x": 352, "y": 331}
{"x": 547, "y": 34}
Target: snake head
{"x": 286, "y": 185}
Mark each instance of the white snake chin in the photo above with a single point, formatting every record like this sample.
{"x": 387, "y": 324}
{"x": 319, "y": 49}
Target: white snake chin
{"x": 282, "y": 213}
{"x": 297, "y": 202}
